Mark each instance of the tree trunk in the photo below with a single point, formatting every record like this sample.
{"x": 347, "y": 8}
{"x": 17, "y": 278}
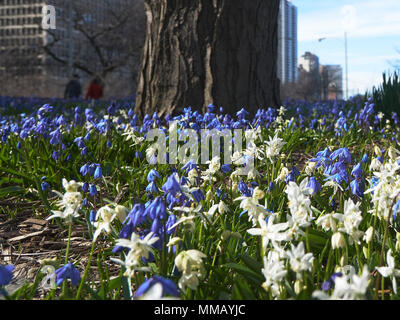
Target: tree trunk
{"x": 199, "y": 52}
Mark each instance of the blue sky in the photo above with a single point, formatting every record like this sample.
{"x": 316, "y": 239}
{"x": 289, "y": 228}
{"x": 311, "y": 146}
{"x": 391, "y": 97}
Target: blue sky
{"x": 373, "y": 29}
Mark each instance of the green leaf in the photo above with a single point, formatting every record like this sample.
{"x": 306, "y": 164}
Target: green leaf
{"x": 11, "y": 190}
{"x": 253, "y": 264}
{"x": 248, "y": 274}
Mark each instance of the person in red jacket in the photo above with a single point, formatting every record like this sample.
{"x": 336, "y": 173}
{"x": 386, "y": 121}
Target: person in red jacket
{"x": 95, "y": 90}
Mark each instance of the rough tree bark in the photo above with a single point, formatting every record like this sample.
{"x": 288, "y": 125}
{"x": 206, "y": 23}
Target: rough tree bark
{"x": 209, "y": 51}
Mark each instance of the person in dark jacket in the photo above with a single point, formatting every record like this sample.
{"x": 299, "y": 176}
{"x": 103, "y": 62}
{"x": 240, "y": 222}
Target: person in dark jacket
{"x": 95, "y": 90}
{"x": 73, "y": 89}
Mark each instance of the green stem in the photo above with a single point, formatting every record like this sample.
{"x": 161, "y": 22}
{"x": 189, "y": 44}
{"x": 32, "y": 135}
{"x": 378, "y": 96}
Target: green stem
{"x": 64, "y": 285}
{"x": 85, "y": 272}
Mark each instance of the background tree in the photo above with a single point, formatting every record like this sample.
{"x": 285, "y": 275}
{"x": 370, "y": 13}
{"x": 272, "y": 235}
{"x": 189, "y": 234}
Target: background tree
{"x": 201, "y": 52}
{"x": 111, "y": 45}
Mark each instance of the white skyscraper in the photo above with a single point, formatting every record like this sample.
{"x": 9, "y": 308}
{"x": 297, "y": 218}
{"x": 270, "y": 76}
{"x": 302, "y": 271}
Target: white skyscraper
{"x": 287, "y": 42}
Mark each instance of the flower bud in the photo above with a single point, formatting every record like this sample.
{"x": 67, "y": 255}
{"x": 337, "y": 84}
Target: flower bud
{"x": 365, "y": 251}
{"x": 225, "y": 235}
{"x": 209, "y": 196}
{"x": 377, "y": 151}
{"x": 392, "y": 153}
{"x": 121, "y": 212}
{"x": 298, "y": 286}
{"x": 338, "y": 240}
{"x": 342, "y": 261}
{"x": 234, "y": 186}
{"x": 236, "y": 235}
{"x": 369, "y": 234}
{"x": 173, "y": 241}
{"x": 222, "y": 207}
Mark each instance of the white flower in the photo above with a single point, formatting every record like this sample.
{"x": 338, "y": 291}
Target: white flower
{"x": 191, "y": 264}
{"x": 104, "y": 216}
{"x": 299, "y": 203}
{"x": 138, "y": 248}
{"x": 390, "y": 270}
{"x": 71, "y": 186}
{"x": 274, "y": 272}
{"x": 222, "y": 207}
{"x": 282, "y": 175}
{"x": 299, "y": 260}
{"x": 270, "y": 231}
{"x": 68, "y": 214}
{"x": 375, "y": 164}
{"x": 351, "y": 219}
{"x": 334, "y": 185}
{"x": 71, "y": 202}
{"x": 189, "y": 260}
{"x": 121, "y": 212}
{"x": 347, "y": 287}
{"x": 309, "y": 169}
{"x": 254, "y": 209}
{"x": 369, "y": 234}
{"x": 327, "y": 222}
{"x": 258, "y": 194}
{"x": 130, "y": 135}
{"x": 274, "y": 146}
{"x": 338, "y": 240}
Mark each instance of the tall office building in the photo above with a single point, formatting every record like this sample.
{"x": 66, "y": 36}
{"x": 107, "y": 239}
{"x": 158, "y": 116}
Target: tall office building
{"x": 23, "y": 62}
{"x": 309, "y": 62}
{"x": 331, "y": 82}
{"x": 287, "y": 42}
{"x": 309, "y": 74}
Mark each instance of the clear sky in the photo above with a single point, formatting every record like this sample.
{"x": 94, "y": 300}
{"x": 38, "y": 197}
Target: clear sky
{"x": 373, "y": 29}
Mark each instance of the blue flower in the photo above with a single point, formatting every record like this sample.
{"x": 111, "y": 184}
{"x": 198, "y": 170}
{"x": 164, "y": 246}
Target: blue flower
{"x": 156, "y": 226}
{"x": 168, "y": 286}
{"x": 84, "y": 170}
{"x": 156, "y": 209}
{"x": 152, "y": 175}
{"x": 152, "y": 188}
{"x": 6, "y": 274}
{"x": 357, "y": 187}
{"x": 79, "y": 142}
{"x": 396, "y": 209}
{"x": 92, "y": 216}
{"x": 225, "y": 168}
{"x": 138, "y": 155}
{"x": 45, "y": 185}
{"x": 241, "y": 114}
{"x": 68, "y": 272}
{"x": 171, "y": 185}
{"x": 98, "y": 172}
{"x": 314, "y": 185}
{"x": 271, "y": 186}
{"x": 56, "y": 155}
{"x": 364, "y": 158}
{"x": 343, "y": 154}
{"x": 189, "y": 166}
{"x": 92, "y": 190}
{"x": 84, "y": 151}
{"x": 243, "y": 189}
{"x": 357, "y": 170}
{"x": 170, "y": 222}
{"x": 336, "y": 177}
{"x": 85, "y": 187}
{"x": 198, "y": 195}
